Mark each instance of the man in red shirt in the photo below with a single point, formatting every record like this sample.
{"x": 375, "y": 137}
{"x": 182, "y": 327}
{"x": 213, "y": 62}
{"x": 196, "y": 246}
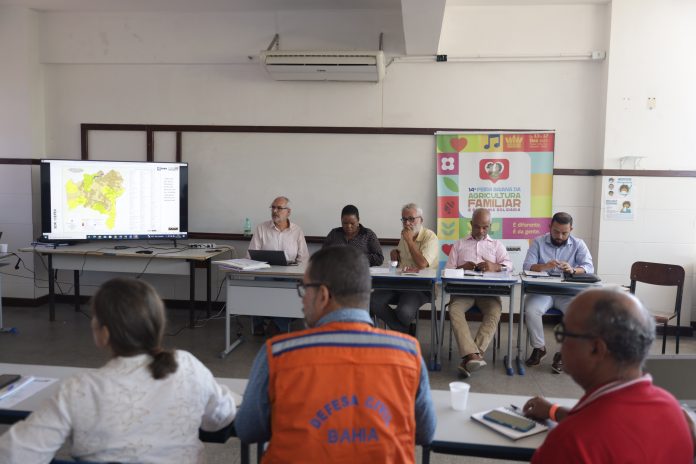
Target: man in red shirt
{"x": 622, "y": 417}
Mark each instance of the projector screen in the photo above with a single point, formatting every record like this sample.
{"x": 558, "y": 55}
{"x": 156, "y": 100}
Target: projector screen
{"x": 113, "y": 200}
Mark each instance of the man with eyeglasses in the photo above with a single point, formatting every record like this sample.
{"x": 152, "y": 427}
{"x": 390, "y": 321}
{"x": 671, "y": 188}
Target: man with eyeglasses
{"x": 279, "y": 234}
{"x": 622, "y": 417}
{"x": 555, "y": 252}
{"x": 342, "y": 390}
{"x": 417, "y": 249}
{"x": 477, "y": 252}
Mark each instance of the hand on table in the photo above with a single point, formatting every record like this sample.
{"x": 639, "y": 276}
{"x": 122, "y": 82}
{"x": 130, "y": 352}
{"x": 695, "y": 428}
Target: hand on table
{"x": 488, "y": 266}
{"x": 467, "y": 266}
{"x": 537, "y": 408}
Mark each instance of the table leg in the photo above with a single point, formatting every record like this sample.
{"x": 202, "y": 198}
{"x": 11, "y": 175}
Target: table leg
{"x": 244, "y": 458}
{"x": 76, "y": 284}
{"x": 434, "y": 334}
{"x": 192, "y": 292}
{"x": 508, "y": 357}
{"x": 441, "y": 323}
{"x": 208, "y": 274}
{"x": 51, "y": 291}
{"x": 519, "y": 359}
{"x": 229, "y": 347}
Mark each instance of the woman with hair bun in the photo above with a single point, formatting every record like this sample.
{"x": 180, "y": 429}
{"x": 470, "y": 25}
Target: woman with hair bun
{"x": 145, "y": 405}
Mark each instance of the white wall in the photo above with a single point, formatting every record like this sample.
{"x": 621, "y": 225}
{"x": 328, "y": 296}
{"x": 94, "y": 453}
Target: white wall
{"x": 652, "y": 46}
{"x": 193, "y": 68}
{"x": 21, "y": 136}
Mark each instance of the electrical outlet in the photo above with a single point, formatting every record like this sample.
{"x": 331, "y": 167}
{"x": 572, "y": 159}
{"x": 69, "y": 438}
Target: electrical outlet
{"x": 202, "y": 245}
{"x": 652, "y": 102}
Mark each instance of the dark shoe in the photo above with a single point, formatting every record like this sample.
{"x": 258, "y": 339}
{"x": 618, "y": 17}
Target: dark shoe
{"x": 272, "y": 329}
{"x": 537, "y": 355}
{"x": 463, "y": 372}
{"x": 557, "y": 364}
{"x": 473, "y": 362}
{"x": 259, "y": 330}
{"x": 412, "y": 329}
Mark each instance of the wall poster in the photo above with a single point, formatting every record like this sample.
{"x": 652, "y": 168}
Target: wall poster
{"x": 509, "y": 173}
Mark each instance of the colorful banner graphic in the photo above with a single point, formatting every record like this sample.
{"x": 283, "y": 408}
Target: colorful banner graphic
{"x": 509, "y": 173}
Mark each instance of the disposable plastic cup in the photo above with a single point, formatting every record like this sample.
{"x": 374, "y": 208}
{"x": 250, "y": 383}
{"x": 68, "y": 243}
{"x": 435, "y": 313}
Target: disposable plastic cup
{"x": 3, "y": 247}
{"x": 459, "y": 394}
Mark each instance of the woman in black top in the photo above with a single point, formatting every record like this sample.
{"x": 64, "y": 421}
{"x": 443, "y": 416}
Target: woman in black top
{"x": 354, "y": 234}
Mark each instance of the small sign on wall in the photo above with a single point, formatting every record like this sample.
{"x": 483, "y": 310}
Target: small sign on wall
{"x": 619, "y": 198}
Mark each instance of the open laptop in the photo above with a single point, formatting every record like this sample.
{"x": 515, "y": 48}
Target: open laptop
{"x": 676, "y": 374}
{"x": 272, "y": 257}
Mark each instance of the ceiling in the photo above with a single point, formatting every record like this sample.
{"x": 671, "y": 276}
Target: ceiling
{"x": 254, "y": 5}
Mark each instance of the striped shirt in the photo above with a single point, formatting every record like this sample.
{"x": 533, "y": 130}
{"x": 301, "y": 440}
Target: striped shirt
{"x": 476, "y": 251}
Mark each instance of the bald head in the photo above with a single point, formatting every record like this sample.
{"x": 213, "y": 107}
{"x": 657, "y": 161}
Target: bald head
{"x": 620, "y": 320}
{"x": 480, "y": 223}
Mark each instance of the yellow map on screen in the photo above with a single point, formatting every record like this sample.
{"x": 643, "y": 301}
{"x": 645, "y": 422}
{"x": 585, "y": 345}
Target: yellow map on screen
{"x": 97, "y": 191}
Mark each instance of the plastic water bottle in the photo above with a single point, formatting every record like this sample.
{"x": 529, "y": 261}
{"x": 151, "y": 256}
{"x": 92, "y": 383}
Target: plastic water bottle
{"x": 247, "y": 227}
{"x": 393, "y": 266}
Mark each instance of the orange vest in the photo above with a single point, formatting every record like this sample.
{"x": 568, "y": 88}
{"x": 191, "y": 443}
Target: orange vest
{"x": 343, "y": 393}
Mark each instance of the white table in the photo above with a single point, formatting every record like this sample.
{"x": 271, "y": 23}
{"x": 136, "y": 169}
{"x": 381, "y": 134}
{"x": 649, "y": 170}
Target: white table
{"x": 457, "y": 433}
{"x": 553, "y": 286}
{"x": 273, "y": 292}
{"x": 102, "y": 256}
{"x": 480, "y": 286}
{"x": 268, "y": 292}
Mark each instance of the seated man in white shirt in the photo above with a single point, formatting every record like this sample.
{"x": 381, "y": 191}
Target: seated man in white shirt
{"x": 279, "y": 234}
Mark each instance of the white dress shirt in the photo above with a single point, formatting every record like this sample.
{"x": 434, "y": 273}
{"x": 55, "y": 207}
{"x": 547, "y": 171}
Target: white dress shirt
{"x": 121, "y": 413}
{"x": 290, "y": 240}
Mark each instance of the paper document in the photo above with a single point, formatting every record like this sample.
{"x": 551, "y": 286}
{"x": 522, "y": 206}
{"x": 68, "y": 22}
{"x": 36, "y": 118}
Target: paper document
{"x": 15, "y": 386}
{"x": 505, "y": 430}
{"x": 241, "y": 264}
{"x": 536, "y": 273}
{"x": 377, "y": 270}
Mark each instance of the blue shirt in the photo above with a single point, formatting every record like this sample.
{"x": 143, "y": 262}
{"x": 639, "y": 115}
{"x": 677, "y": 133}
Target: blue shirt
{"x": 574, "y": 252}
{"x": 253, "y": 420}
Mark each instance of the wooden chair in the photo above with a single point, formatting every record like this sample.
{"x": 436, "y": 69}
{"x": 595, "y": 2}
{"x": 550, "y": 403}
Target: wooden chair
{"x": 669, "y": 275}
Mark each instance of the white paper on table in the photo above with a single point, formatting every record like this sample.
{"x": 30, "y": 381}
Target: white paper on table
{"x": 379, "y": 270}
{"x": 454, "y": 273}
{"x": 536, "y": 273}
{"x": 28, "y": 389}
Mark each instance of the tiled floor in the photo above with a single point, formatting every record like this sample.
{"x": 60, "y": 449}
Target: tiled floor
{"x": 68, "y": 341}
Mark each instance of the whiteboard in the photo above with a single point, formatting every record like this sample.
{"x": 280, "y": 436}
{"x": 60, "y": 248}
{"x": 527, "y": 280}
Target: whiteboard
{"x": 235, "y": 175}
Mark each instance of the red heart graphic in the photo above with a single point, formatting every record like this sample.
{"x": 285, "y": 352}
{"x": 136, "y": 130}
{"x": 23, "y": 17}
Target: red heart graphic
{"x": 459, "y": 144}
{"x": 447, "y": 248}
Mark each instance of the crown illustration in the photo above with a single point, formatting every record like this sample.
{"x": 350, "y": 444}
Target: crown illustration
{"x": 514, "y": 141}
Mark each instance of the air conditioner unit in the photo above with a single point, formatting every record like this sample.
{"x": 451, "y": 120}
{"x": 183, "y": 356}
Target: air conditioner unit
{"x": 351, "y": 66}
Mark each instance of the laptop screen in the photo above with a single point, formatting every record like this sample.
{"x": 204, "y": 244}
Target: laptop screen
{"x": 272, "y": 257}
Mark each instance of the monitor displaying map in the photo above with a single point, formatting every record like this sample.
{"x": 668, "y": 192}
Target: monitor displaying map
{"x": 113, "y": 200}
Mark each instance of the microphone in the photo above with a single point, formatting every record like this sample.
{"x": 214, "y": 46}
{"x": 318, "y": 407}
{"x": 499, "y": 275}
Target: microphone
{"x": 19, "y": 260}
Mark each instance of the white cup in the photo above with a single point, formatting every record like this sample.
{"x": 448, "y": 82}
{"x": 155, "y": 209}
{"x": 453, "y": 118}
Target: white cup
{"x": 459, "y": 394}
{"x": 3, "y": 247}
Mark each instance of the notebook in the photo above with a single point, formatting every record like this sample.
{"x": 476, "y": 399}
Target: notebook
{"x": 272, "y": 257}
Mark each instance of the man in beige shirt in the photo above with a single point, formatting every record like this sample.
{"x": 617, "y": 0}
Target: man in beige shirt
{"x": 417, "y": 249}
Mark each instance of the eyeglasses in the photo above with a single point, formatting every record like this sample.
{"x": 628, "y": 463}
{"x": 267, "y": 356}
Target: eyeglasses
{"x": 278, "y": 208}
{"x": 560, "y": 333}
{"x": 410, "y": 219}
{"x": 302, "y": 287}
